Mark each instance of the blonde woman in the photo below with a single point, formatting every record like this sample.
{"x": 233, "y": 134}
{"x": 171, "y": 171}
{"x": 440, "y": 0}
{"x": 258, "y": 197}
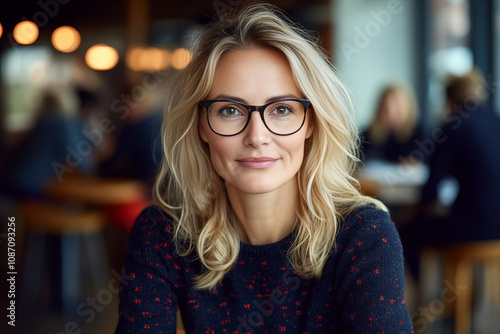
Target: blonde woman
{"x": 259, "y": 225}
{"x": 393, "y": 134}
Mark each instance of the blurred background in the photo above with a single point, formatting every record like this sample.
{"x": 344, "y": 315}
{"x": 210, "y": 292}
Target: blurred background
{"x": 81, "y": 93}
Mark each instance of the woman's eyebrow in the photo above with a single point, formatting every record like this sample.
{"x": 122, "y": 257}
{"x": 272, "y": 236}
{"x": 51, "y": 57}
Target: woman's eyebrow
{"x": 279, "y": 97}
{"x": 239, "y": 99}
{"x": 229, "y": 97}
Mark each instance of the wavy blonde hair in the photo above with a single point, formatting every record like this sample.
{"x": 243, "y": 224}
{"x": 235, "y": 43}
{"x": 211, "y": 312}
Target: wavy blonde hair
{"x": 189, "y": 189}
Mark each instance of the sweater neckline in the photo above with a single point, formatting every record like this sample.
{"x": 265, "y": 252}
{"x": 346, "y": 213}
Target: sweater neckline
{"x": 281, "y": 246}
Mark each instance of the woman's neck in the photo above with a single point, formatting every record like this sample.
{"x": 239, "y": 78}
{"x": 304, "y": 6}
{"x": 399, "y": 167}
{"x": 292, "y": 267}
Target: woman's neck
{"x": 265, "y": 218}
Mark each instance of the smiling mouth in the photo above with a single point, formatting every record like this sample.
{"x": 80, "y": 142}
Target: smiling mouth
{"x": 257, "y": 163}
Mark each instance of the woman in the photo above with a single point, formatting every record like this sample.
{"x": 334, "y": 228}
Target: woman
{"x": 394, "y": 130}
{"x": 260, "y": 226}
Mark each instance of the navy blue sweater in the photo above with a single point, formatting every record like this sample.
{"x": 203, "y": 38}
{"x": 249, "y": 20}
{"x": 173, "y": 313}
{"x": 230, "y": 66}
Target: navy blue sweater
{"x": 361, "y": 289}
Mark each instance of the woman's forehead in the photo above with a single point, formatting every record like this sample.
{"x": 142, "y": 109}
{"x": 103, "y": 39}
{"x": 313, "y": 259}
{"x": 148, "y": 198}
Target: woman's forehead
{"x": 253, "y": 74}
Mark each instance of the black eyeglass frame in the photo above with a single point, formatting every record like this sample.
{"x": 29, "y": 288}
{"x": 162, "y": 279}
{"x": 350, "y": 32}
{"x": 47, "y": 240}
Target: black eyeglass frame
{"x": 207, "y": 103}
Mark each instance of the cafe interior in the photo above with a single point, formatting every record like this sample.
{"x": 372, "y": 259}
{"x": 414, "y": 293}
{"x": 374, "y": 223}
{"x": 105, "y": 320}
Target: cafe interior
{"x": 81, "y": 100}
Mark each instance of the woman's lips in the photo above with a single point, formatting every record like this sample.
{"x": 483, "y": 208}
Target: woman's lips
{"x": 257, "y": 163}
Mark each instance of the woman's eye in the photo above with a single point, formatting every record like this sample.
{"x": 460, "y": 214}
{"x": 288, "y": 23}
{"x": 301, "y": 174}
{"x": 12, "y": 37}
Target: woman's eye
{"x": 283, "y": 110}
{"x": 229, "y": 111}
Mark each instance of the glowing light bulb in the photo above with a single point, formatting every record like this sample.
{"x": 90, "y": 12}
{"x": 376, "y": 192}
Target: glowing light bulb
{"x": 101, "y": 57}
{"x": 134, "y": 58}
{"x": 66, "y": 39}
{"x": 158, "y": 59}
{"x": 181, "y": 58}
{"x": 25, "y": 32}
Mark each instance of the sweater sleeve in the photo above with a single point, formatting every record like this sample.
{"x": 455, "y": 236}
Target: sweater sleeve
{"x": 148, "y": 303}
{"x": 370, "y": 278}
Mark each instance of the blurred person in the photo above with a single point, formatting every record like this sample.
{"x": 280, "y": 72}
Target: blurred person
{"x": 124, "y": 146}
{"x": 135, "y": 155}
{"x": 136, "y": 149}
{"x": 53, "y": 139}
{"x": 389, "y": 144}
{"x": 92, "y": 113}
{"x": 258, "y": 223}
{"x": 467, "y": 150}
{"x": 394, "y": 130}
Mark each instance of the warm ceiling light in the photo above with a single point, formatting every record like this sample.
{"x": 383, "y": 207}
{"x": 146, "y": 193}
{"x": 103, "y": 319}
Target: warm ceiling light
{"x": 101, "y": 57}
{"x": 1, "y": 30}
{"x": 147, "y": 59}
{"x": 66, "y": 39}
{"x": 134, "y": 58}
{"x": 158, "y": 59}
{"x": 25, "y": 32}
{"x": 181, "y": 58}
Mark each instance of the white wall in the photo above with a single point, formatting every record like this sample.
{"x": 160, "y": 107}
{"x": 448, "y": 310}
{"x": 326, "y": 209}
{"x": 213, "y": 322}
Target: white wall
{"x": 374, "y": 45}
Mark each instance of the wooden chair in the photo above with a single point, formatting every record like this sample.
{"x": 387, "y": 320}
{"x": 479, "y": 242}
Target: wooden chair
{"x": 180, "y": 325}
{"x": 459, "y": 261}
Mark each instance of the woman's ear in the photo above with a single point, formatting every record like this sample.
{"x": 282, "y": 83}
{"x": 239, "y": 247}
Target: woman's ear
{"x": 202, "y": 132}
{"x": 310, "y": 126}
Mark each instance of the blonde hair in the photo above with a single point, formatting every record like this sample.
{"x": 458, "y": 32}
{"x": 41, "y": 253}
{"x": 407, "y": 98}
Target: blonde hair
{"x": 378, "y": 132}
{"x": 189, "y": 189}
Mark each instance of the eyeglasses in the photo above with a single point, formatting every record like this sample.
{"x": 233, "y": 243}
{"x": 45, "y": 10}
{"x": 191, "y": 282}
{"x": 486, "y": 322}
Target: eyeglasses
{"x": 282, "y": 117}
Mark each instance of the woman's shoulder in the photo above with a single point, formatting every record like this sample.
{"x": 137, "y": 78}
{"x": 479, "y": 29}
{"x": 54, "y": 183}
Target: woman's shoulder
{"x": 367, "y": 240}
{"x": 153, "y": 223}
{"x": 366, "y": 222}
{"x": 368, "y": 262}
{"x": 365, "y": 214}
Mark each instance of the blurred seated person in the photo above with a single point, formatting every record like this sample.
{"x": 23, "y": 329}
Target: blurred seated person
{"x": 49, "y": 152}
{"x": 136, "y": 155}
{"x": 137, "y": 150}
{"x": 392, "y": 134}
{"x": 468, "y": 151}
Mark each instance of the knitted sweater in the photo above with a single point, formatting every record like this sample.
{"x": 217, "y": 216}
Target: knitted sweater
{"x": 361, "y": 289}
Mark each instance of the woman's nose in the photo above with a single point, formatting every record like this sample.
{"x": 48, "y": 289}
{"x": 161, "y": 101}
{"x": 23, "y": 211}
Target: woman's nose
{"x": 256, "y": 132}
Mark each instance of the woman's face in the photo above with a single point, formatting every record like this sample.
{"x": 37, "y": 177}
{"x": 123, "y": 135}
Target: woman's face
{"x": 395, "y": 110}
{"x": 255, "y": 160}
